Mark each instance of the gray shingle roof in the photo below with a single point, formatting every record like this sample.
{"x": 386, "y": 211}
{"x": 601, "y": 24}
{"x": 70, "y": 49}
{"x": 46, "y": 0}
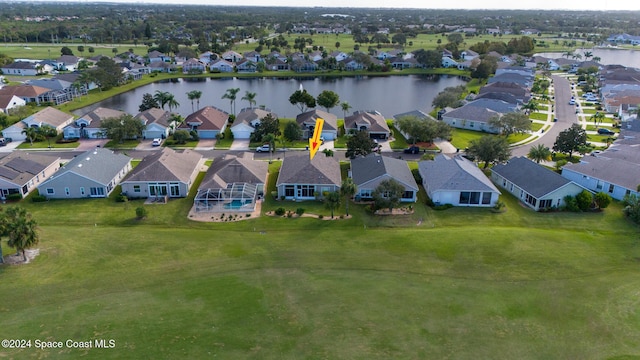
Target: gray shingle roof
{"x": 155, "y": 115}
{"x": 375, "y": 121}
{"x": 99, "y": 164}
{"x": 454, "y": 173}
{"x": 612, "y": 170}
{"x": 166, "y": 165}
{"x": 373, "y": 166}
{"x": 234, "y": 170}
{"x": 298, "y": 169}
{"x": 50, "y": 116}
{"x": 96, "y": 116}
{"x": 20, "y": 167}
{"x": 531, "y": 177}
{"x": 330, "y": 120}
{"x": 207, "y": 118}
{"x": 246, "y": 116}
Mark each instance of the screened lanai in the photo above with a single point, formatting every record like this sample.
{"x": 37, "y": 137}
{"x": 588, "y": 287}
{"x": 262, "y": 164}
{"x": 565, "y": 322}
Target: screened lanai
{"x": 235, "y": 197}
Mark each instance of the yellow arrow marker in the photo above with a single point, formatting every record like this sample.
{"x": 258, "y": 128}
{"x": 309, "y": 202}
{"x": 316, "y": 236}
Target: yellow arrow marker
{"x": 314, "y": 142}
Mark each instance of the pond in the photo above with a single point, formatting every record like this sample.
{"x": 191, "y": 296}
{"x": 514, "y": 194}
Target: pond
{"x": 608, "y": 56}
{"x": 390, "y": 95}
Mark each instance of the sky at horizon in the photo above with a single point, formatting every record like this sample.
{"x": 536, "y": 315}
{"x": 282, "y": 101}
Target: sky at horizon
{"x": 594, "y": 5}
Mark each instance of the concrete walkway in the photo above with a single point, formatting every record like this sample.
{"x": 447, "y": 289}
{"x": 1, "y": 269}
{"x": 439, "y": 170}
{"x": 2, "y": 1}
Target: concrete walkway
{"x": 206, "y": 144}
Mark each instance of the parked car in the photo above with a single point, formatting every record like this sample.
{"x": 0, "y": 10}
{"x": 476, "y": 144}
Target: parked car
{"x": 572, "y": 102}
{"x": 412, "y": 150}
{"x": 264, "y": 148}
{"x": 156, "y": 142}
{"x": 603, "y": 131}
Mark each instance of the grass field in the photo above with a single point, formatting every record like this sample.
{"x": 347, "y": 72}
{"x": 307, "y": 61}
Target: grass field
{"x": 462, "y": 283}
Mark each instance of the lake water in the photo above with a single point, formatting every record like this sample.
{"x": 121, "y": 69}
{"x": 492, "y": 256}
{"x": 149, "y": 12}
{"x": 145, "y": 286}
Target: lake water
{"x": 629, "y": 58}
{"x": 390, "y": 95}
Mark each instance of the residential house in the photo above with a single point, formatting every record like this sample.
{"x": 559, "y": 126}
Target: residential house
{"x": 28, "y": 93}
{"x": 307, "y": 121}
{"x": 536, "y": 186}
{"x": 277, "y": 65}
{"x": 522, "y": 80}
{"x": 302, "y": 178}
{"x": 68, "y": 63}
{"x": 246, "y": 66}
{"x": 232, "y": 184}
{"x": 89, "y": 125}
{"x": 161, "y": 66}
{"x": 521, "y": 93}
{"x": 448, "y": 62}
{"x": 94, "y": 174}
{"x": 157, "y": 56}
{"x": 468, "y": 55}
{"x": 48, "y": 116}
{"x": 166, "y": 173}
{"x": 476, "y": 114}
{"x": 369, "y": 171}
{"x": 157, "y": 123}
{"x": 231, "y": 56}
{"x": 371, "y": 121}
{"x": 315, "y": 56}
{"x": 221, "y": 65}
{"x": 351, "y": 64}
{"x": 193, "y": 66}
{"x": 207, "y": 57}
{"x": 253, "y": 56}
{"x": 21, "y": 172}
{"x": 22, "y": 68}
{"x": 247, "y": 120}
{"x": 616, "y": 171}
{"x": 8, "y": 102}
{"x": 457, "y": 181}
{"x": 338, "y": 55}
{"x": 624, "y": 39}
{"x": 208, "y": 122}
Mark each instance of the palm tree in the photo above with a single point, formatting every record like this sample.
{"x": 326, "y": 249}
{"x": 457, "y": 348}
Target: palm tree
{"x": 539, "y": 153}
{"x": 85, "y": 78}
{"x": 21, "y": 229}
{"x": 597, "y": 118}
{"x": 172, "y": 102}
{"x": 31, "y": 134}
{"x": 250, "y": 97}
{"x": 345, "y": 107}
{"x": 568, "y": 54}
{"x": 531, "y": 106}
{"x": 597, "y": 58}
{"x": 332, "y": 201}
{"x": 48, "y": 132}
{"x": 162, "y": 97}
{"x": 194, "y": 95}
{"x": 271, "y": 140}
{"x": 348, "y": 189}
{"x": 588, "y": 54}
{"x": 231, "y": 95}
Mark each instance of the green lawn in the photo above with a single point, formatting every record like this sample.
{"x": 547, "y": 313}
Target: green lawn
{"x": 467, "y": 282}
{"x": 597, "y": 138}
{"x": 536, "y": 126}
{"x": 538, "y": 116}
{"x": 45, "y": 144}
{"x": 126, "y": 144}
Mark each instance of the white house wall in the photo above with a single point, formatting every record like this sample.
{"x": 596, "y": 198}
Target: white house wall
{"x": 597, "y": 185}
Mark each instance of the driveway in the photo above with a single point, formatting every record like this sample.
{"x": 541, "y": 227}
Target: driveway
{"x": 89, "y": 144}
{"x": 239, "y": 144}
{"x": 206, "y": 144}
{"x": 565, "y": 113}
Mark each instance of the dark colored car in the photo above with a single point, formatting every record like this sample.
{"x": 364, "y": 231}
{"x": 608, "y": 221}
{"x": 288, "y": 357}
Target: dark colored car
{"x": 603, "y": 131}
{"x": 412, "y": 150}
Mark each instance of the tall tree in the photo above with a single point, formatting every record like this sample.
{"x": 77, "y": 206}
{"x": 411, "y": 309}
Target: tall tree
{"x": 47, "y": 132}
{"x": 539, "y": 153}
{"x": 359, "y": 144}
{"x": 328, "y": 99}
{"x": 172, "y": 102}
{"x": 292, "y": 132}
{"x": 148, "y": 102}
{"x": 388, "y": 194}
{"x": 348, "y": 189}
{"x": 423, "y": 129}
{"x": 121, "y": 128}
{"x": 31, "y": 134}
{"x": 268, "y": 125}
{"x": 194, "y": 95}
{"x": 107, "y": 73}
{"x": 231, "y": 94}
{"x": 511, "y": 123}
{"x": 345, "y": 107}
{"x": 597, "y": 118}
{"x": 250, "y": 97}
{"x": 449, "y": 97}
{"x": 303, "y": 100}
{"x": 570, "y": 140}
{"x": 489, "y": 149}
{"x": 162, "y": 97}
{"x": 21, "y": 229}
{"x": 332, "y": 201}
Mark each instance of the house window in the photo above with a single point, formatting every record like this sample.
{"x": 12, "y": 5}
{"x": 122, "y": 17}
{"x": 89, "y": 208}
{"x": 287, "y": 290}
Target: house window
{"x": 50, "y": 191}
{"x": 66, "y": 191}
{"x": 136, "y": 188}
{"x": 599, "y": 185}
{"x": 407, "y": 195}
{"x": 289, "y": 190}
{"x": 464, "y": 197}
{"x": 486, "y": 198}
{"x": 306, "y": 190}
{"x": 96, "y": 191}
{"x": 545, "y": 204}
{"x": 531, "y": 200}
{"x": 611, "y": 186}
{"x": 174, "y": 189}
{"x": 628, "y": 192}
{"x": 475, "y": 198}
{"x": 82, "y": 191}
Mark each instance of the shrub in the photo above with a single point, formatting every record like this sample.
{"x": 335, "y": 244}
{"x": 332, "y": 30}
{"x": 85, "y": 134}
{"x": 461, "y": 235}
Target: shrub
{"x": 570, "y": 204}
{"x": 499, "y": 205}
{"x": 280, "y": 211}
{"x": 38, "y": 198}
{"x": 289, "y": 214}
{"x": 443, "y": 207}
{"x": 122, "y": 198}
{"x": 141, "y": 212}
{"x": 584, "y": 200}
{"x": 320, "y": 217}
{"x": 299, "y": 211}
{"x": 14, "y": 197}
{"x": 603, "y": 200}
